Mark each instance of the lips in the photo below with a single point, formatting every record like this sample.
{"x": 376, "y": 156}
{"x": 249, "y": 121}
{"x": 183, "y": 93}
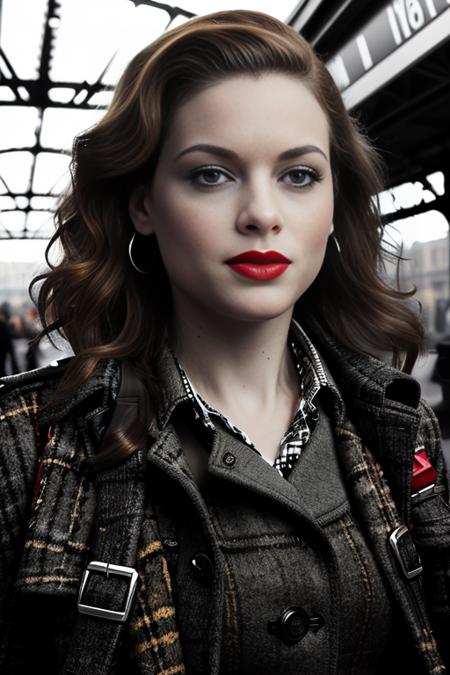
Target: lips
{"x": 260, "y": 266}
{"x": 259, "y": 258}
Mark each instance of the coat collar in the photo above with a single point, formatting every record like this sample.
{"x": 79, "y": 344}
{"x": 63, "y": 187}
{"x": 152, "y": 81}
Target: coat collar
{"x": 362, "y": 379}
{"x": 381, "y": 402}
{"x": 173, "y": 392}
{"x": 100, "y": 389}
{"x": 358, "y": 376}
{"x": 365, "y": 377}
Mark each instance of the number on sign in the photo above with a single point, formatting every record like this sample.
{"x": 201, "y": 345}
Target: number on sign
{"x": 415, "y": 14}
{"x": 400, "y": 10}
{"x": 407, "y": 16}
{"x": 431, "y": 8}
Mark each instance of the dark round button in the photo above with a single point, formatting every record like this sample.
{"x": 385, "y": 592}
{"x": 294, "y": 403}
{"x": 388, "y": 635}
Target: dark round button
{"x": 292, "y": 625}
{"x": 170, "y": 543}
{"x": 229, "y": 459}
{"x": 203, "y": 567}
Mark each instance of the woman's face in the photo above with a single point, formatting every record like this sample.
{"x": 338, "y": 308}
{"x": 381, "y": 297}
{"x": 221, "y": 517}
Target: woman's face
{"x": 245, "y": 167}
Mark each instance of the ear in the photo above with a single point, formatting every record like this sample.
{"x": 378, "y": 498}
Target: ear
{"x": 139, "y": 209}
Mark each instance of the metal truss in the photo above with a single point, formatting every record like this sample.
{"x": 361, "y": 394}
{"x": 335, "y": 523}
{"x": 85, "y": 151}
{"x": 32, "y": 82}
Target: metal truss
{"x": 35, "y": 94}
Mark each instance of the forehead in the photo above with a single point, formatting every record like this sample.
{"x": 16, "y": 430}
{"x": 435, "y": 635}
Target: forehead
{"x": 277, "y": 108}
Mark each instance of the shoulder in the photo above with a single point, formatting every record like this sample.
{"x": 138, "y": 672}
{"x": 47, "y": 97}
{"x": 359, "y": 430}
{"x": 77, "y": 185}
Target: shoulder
{"x": 31, "y": 394}
{"x": 20, "y": 397}
{"x": 16, "y": 387}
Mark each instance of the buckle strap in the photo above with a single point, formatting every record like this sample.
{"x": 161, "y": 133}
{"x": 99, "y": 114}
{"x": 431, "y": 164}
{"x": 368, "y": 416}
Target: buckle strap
{"x": 405, "y": 552}
{"x": 107, "y": 568}
{"x": 120, "y": 494}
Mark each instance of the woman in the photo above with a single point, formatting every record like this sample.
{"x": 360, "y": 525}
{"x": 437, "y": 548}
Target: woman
{"x": 221, "y": 271}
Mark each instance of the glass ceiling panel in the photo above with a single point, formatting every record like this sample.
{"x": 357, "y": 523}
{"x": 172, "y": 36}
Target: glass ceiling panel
{"x": 59, "y": 63}
{"x": 17, "y": 126}
{"x": 40, "y": 221}
{"x": 7, "y": 203}
{"x": 44, "y": 203}
{"x": 15, "y": 170}
{"x": 59, "y": 126}
{"x": 22, "y": 18}
{"x": 12, "y": 222}
{"x": 61, "y": 94}
{"x": 51, "y": 173}
{"x": 7, "y": 94}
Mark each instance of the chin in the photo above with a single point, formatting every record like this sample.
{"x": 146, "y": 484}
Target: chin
{"x": 259, "y": 312}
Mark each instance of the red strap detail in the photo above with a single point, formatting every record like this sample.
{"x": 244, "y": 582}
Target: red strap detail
{"x": 424, "y": 474}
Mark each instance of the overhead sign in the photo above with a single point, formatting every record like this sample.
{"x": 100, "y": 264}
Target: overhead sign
{"x": 392, "y": 29}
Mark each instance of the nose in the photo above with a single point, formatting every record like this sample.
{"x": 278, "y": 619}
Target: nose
{"x": 259, "y": 213}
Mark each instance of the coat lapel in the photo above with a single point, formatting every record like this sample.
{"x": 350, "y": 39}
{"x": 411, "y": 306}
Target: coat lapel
{"x": 382, "y": 403}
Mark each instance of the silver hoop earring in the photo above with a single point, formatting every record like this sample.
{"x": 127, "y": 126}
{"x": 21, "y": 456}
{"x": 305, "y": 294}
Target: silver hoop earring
{"x": 138, "y": 269}
{"x": 337, "y": 244}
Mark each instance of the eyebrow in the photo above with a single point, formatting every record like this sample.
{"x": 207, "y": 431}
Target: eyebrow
{"x": 292, "y": 153}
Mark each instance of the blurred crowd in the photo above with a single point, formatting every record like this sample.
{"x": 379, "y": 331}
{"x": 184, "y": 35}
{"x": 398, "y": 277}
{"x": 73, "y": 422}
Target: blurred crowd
{"x": 14, "y": 325}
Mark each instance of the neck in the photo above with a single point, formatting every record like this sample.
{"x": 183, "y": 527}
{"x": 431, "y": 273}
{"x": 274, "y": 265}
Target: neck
{"x": 236, "y": 365}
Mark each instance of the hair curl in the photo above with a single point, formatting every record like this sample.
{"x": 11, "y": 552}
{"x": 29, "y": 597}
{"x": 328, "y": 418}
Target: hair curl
{"x": 104, "y": 308}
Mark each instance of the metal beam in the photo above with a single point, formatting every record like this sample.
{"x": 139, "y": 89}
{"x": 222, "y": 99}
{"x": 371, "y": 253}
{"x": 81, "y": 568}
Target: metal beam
{"x": 305, "y": 10}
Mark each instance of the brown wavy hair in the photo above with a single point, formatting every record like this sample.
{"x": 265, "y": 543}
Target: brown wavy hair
{"x": 104, "y": 308}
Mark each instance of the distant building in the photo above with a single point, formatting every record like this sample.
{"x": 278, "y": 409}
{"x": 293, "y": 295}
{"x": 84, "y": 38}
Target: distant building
{"x": 428, "y": 269}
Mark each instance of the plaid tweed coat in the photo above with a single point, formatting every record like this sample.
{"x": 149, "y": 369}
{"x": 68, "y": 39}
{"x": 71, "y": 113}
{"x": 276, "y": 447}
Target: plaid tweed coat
{"x": 45, "y": 542}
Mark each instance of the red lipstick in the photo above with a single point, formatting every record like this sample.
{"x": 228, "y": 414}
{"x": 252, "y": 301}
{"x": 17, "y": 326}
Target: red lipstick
{"x": 258, "y": 265}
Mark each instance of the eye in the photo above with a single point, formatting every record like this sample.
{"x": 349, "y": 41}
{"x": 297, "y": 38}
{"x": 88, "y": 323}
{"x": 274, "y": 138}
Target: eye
{"x": 210, "y": 175}
{"x": 303, "y": 177}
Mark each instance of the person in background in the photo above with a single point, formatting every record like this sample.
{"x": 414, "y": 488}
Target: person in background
{"x": 30, "y": 330}
{"x": 6, "y": 348}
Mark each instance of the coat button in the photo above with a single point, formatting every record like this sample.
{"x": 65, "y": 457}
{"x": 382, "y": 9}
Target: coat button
{"x": 203, "y": 567}
{"x": 229, "y": 459}
{"x": 293, "y": 624}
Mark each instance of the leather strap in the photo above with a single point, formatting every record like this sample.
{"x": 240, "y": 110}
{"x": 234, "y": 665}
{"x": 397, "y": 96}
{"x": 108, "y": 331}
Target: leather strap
{"x": 120, "y": 493}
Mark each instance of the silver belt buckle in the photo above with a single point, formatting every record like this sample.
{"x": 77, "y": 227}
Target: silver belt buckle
{"x": 108, "y": 569}
{"x": 395, "y": 541}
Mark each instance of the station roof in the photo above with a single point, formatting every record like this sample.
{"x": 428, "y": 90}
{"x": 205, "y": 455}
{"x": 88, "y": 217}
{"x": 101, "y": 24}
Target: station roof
{"x": 391, "y": 61}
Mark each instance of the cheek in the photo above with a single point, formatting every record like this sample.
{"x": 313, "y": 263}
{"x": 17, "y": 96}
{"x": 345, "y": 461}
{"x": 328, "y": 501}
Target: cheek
{"x": 183, "y": 235}
{"x": 315, "y": 237}
{"x": 181, "y": 221}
